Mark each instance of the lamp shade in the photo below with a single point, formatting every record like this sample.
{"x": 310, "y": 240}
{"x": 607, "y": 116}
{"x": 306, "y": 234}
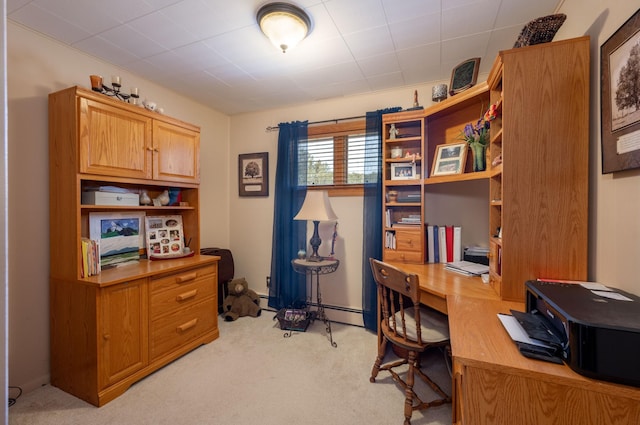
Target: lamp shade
{"x": 316, "y": 207}
{"x": 284, "y": 24}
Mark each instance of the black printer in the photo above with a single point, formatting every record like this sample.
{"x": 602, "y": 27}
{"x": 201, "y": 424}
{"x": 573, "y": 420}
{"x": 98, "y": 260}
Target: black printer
{"x": 601, "y": 326}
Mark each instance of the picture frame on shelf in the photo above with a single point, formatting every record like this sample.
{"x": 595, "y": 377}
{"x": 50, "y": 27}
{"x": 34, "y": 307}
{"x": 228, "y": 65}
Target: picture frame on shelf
{"x": 449, "y": 159}
{"x": 403, "y": 171}
{"x": 620, "y": 121}
{"x": 464, "y": 76}
{"x": 120, "y": 235}
{"x": 164, "y": 236}
{"x": 253, "y": 174}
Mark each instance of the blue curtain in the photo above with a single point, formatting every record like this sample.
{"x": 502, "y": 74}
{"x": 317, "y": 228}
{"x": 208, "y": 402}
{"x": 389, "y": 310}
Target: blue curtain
{"x": 372, "y": 216}
{"x": 288, "y": 288}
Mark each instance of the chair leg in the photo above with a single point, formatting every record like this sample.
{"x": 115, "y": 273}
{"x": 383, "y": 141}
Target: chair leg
{"x": 382, "y": 349}
{"x": 408, "y": 401}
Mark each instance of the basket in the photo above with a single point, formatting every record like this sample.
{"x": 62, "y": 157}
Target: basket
{"x": 293, "y": 319}
{"x": 541, "y": 30}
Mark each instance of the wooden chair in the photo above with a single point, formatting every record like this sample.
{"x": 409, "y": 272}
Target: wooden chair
{"x": 410, "y": 328}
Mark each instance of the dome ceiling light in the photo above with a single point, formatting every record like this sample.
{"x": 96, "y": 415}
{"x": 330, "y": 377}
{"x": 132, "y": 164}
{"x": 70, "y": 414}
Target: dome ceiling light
{"x": 284, "y": 24}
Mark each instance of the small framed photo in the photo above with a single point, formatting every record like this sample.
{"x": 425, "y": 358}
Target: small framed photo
{"x": 403, "y": 171}
{"x": 165, "y": 236}
{"x": 449, "y": 159}
{"x": 464, "y": 76}
{"x": 253, "y": 174}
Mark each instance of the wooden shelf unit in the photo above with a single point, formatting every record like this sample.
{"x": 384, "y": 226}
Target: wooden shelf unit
{"x": 538, "y": 196}
{"x": 110, "y": 330}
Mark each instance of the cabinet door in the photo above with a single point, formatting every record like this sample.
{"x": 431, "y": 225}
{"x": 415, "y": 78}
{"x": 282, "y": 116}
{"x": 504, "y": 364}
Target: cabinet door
{"x": 123, "y": 331}
{"x": 113, "y": 141}
{"x": 176, "y": 152}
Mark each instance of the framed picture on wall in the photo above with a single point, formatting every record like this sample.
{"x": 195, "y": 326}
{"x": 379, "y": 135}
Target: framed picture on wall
{"x": 449, "y": 159}
{"x": 620, "y": 98}
{"x": 464, "y": 76}
{"x": 253, "y": 174}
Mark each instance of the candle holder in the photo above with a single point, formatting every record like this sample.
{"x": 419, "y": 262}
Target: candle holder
{"x": 114, "y": 91}
{"x": 439, "y": 92}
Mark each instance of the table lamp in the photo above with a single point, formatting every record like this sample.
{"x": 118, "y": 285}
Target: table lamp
{"x": 316, "y": 207}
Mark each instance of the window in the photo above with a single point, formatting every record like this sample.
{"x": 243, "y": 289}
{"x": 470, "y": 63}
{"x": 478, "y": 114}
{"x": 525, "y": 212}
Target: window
{"x": 334, "y": 157}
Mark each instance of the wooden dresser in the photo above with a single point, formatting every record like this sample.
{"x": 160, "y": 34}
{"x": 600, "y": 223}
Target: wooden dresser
{"x": 112, "y": 329}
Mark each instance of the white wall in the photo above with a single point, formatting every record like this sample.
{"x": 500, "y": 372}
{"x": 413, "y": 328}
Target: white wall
{"x": 36, "y": 67}
{"x": 252, "y": 218}
{"x": 614, "y": 234}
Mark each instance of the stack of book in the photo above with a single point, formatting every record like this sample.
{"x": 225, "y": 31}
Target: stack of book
{"x": 90, "y": 257}
{"x": 411, "y": 219}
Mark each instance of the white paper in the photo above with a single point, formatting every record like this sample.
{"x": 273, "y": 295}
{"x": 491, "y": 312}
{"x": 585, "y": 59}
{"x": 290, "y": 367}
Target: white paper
{"x": 612, "y": 295}
{"x": 592, "y": 286}
{"x": 517, "y": 333}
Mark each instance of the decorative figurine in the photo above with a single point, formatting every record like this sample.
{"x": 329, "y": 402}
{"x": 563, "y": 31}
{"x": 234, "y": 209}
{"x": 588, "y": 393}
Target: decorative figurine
{"x": 393, "y": 131}
{"x": 144, "y": 198}
{"x": 415, "y": 99}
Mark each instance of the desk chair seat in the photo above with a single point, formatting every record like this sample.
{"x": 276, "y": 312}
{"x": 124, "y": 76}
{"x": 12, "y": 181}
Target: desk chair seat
{"x": 411, "y": 328}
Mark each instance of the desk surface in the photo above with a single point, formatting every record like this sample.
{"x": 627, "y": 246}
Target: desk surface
{"x": 479, "y": 339}
{"x": 437, "y": 284}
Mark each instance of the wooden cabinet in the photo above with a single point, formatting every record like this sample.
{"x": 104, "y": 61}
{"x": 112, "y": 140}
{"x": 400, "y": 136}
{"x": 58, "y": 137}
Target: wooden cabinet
{"x": 122, "y": 331}
{"x": 539, "y": 193}
{"x": 128, "y": 141}
{"x": 112, "y": 329}
{"x": 533, "y": 206}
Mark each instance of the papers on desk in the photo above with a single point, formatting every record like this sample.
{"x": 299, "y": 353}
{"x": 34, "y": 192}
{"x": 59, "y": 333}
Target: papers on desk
{"x": 467, "y": 268}
{"x": 528, "y": 346}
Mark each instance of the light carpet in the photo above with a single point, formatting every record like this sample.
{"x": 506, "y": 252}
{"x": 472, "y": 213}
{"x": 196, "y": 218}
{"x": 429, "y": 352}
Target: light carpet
{"x": 253, "y": 375}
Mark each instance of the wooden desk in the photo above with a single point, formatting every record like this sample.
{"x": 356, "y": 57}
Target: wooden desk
{"x": 437, "y": 283}
{"x": 494, "y": 384}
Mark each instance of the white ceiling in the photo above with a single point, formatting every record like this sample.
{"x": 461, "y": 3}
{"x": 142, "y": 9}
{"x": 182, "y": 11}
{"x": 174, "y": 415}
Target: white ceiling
{"x": 214, "y": 52}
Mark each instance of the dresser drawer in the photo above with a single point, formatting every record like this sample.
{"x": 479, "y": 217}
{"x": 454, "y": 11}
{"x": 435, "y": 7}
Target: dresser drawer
{"x": 403, "y": 256}
{"x": 407, "y": 240}
{"x": 181, "y": 295}
{"x": 181, "y": 278}
{"x": 178, "y": 328}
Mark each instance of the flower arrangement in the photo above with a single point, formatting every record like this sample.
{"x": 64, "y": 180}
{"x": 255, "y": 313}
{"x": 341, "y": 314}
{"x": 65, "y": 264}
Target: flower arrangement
{"x": 477, "y": 137}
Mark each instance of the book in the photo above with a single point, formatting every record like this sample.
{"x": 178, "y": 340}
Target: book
{"x": 467, "y": 268}
{"x": 436, "y": 244}
{"x": 449, "y": 239}
{"x": 442, "y": 243}
{"x": 457, "y": 244}
{"x": 430, "y": 245}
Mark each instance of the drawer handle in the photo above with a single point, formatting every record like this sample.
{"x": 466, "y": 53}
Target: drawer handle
{"x": 190, "y": 324}
{"x": 187, "y": 295}
{"x": 186, "y": 277}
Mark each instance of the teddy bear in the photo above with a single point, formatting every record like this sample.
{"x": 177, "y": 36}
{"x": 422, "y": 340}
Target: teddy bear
{"x": 241, "y": 300}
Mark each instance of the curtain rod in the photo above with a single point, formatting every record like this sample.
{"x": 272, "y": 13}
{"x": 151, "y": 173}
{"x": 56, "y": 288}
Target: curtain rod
{"x": 335, "y": 120}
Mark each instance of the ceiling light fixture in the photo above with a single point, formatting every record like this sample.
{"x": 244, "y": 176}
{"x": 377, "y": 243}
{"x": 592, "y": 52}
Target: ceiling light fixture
{"x": 284, "y": 24}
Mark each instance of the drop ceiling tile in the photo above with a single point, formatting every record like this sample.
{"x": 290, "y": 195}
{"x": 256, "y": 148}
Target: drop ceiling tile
{"x": 99, "y": 47}
{"x": 398, "y": 11}
{"x": 163, "y": 30}
{"x": 473, "y": 18}
{"x": 49, "y": 24}
{"x": 371, "y": 42}
{"x": 386, "y": 81}
{"x": 13, "y": 5}
{"x": 379, "y": 65}
{"x": 415, "y": 32}
{"x": 131, "y": 40}
{"x": 356, "y": 15}
{"x": 512, "y": 11}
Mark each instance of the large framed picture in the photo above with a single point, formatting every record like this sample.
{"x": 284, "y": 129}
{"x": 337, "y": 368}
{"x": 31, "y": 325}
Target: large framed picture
{"x": 253, "y": 174}
{"x": 165, "y": 236}
{"x": 403, "y": 171}
{"x": 449, "y": 159}
{"x": 120, "y": 234}
{"x": 620, "y": 98}
{"x": 464, "y": 76}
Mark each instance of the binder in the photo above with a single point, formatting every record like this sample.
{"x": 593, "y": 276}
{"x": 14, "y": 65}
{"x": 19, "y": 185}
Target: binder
{"x": 442, "y": 242}
{"x": 430, "y": 245}
{"x": 436, "y": 245}
{"x": 449, "y": 237}
{"x": 457, "y": 243}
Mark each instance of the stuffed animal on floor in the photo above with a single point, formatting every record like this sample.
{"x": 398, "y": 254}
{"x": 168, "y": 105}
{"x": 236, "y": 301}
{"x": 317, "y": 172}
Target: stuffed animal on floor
{"x": 241, "y": 301}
